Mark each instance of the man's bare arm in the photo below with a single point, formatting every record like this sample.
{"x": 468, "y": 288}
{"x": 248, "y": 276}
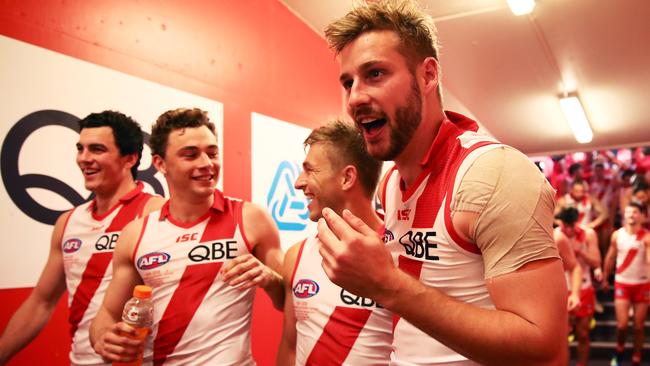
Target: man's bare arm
{"x": 34, "y": 313}
{"x": 287, "y": 350}
{"x": 355, "y": 258}
{"x": 263, "y": 267}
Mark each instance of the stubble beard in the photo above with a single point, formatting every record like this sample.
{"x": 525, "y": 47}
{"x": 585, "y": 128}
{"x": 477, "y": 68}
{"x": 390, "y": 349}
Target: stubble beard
{"x": 407, "y": 119}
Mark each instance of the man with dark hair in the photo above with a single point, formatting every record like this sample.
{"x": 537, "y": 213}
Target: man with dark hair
{"x": 469, "y": 265}
{"x": 203, "y": 254}
{"x": 630, "y": 252}
{"x": 583, "y": 242}
{"x": 323, "y": 323}
{"x": 592, "y": 213}
{"x": 83, "y": 239}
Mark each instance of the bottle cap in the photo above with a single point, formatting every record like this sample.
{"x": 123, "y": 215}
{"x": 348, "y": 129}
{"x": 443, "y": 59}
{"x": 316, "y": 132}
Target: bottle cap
{"x": 142, "y": 292}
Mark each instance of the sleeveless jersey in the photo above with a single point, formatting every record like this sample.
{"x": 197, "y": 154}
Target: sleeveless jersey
{"x": 335, "y": 327}
{"x": 198, "y": 318}
{"x": 602, "y": 189}
{"x": 87, "y": 247}
{"x": 421, "y": 237}
{"x": 631, "y": 265}
{"x": 579, "y": 243}
{"x": 584, "y": 207}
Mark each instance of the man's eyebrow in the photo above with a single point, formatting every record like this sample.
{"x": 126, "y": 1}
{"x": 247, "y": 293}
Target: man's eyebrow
{"x": 363, "y": 67}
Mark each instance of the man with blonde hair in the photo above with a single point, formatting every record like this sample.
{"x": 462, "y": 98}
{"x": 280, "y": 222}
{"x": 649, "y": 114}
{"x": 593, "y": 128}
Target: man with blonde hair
{"x": 469, "y": 265}
{"x": 323, "y": 323}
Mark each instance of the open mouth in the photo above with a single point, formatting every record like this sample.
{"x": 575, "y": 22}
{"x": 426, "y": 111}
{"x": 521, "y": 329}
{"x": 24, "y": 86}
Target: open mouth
{"x": 89, "y": 172}
{"x": 204, "y": 178}
{"x": 373, "y": 125}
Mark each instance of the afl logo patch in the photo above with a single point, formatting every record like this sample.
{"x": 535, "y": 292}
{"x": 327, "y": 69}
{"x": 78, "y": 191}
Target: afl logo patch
{"x": 305, "y": 288}
{"x": 71, "y": 245}
{"x": 153, "y": 260}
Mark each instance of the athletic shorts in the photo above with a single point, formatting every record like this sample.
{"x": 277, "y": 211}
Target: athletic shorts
{"x": 587, "y": 303}
{"x": 634, "y": 293}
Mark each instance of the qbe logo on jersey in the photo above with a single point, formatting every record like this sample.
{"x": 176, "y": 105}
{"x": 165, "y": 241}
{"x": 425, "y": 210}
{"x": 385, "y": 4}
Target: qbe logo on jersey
{"x": 288, "y": 208}
{"x": 305, "y": 288}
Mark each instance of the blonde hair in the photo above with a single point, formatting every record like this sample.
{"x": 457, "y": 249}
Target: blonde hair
{"x": 415, "y": 29}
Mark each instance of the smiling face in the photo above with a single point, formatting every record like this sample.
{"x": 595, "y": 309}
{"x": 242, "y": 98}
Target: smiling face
{"x": 191, "y": 164}
{"x": 632, "y": 215}
{"x": 100, "y": 161}
{"x": 382, "y": 95}
{"x": 320, "y": 181}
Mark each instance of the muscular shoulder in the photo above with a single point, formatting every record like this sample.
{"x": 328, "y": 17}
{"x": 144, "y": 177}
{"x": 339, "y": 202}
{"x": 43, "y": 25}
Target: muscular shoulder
{"x": 258, "y": 224}
{"x": 153, "y": 204}
{"x": 499, "y": 173}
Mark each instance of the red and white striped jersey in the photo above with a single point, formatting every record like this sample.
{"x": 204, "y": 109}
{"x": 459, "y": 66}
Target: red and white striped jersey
{"x": 579, "y": 243}
{"x": 584, "y": 207}
{"x": 335, "y": 327}
{"x": 424, "y": 243}
{"x": 603, "y": 189}
{"x": 198, "y": 318}
{"x": 87, "y": 246}
{"x": 631, "y": 265}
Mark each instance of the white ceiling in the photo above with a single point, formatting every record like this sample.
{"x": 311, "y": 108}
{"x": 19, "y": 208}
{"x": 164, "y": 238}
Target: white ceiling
{"x": 508, "y": 71}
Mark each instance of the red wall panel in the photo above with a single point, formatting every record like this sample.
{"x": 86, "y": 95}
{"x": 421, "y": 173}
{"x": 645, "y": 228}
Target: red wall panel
{"x": 251, "y": 55}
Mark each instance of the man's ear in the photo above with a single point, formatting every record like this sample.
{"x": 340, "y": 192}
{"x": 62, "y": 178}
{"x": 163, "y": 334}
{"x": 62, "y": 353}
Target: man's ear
{"x": 130, "y": 160}
{"x": 431, "y": 75}
{"x": 159, "y": 163}
{"x": 348, "y": 177}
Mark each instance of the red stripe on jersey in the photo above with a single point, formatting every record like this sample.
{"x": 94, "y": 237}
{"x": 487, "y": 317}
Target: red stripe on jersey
{"x": 338, "y": 337}
{"x": 384, "y": 184}
{"x": 295, "y": 266}
{"x": 628, "y": 260}
{"x": 187, "y": 298}
{"x": 128, "y": 212}
{"x": 412, "y": 267}
{"x": 192, "y": 287}
{"x": 640, "y": 234}
{"x": 137, "y": 244}
{"x": 98, "y": 263}
{"x": 90, "y": 281}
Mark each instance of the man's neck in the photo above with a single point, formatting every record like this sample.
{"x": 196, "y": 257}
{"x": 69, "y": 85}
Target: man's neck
{"x": 187, "y": 210}
{"x": 633, "y": 229}
{"x": 409, "y": 161}
{"x": 104, "y": 201}
{"x": 363, "y": 209}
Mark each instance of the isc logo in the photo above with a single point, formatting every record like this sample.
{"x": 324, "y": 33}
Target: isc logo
{"x": 305, "y": 288}
{"x": 153, "y": 260}
{"x": 71, "y": 245}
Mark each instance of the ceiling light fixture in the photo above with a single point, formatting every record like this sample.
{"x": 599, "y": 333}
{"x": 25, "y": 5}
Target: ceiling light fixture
{"x": 521, "y": 7}
{"x": 577, "y": 118}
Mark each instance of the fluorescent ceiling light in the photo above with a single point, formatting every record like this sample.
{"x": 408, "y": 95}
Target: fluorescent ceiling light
{"x": 521, "y": 7}
{"x": 577, "y": 118}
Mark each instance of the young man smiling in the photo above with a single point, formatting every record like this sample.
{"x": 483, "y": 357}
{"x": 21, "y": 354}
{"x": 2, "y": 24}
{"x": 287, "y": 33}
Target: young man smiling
{"x": 323, "y": 323}
{"x": 202, "y": 253}
{"x": 83, "y": 239}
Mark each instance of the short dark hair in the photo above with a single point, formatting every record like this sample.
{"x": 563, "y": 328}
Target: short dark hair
{"x": 578, "y": 182}
{"x": 126, "y": 131}
{"x": 640, "y": 206}
{"x": 640, "y": 186}
{"x": 573, "y": 168}
{"x": 568, "y": 215}
{"x": 350, "y": 148}
{"x": 173, "y": 120}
